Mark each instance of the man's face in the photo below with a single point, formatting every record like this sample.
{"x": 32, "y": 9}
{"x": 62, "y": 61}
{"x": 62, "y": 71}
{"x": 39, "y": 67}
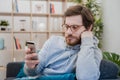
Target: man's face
{"x": 73, "y": 36}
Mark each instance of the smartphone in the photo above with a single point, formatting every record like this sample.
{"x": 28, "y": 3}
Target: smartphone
{"x": 31, "y": 45}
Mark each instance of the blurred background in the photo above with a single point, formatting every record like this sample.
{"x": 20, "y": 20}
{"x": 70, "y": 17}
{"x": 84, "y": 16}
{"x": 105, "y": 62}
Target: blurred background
{"x": 37, "y": 20}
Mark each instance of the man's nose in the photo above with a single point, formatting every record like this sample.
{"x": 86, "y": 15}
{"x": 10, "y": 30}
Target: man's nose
{"x": 68, "y": 31}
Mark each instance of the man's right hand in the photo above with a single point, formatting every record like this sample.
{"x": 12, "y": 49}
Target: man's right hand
{"x": 29, "y": 59}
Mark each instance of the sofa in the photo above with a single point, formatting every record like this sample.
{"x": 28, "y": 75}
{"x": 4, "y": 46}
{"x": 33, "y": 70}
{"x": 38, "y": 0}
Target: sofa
{"x": 108, "y": 70}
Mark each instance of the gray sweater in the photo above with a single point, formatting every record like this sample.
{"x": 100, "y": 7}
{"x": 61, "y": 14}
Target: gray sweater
{"x": 56, "y": 57}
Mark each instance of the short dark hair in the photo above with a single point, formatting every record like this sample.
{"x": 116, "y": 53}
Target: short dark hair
{"x": 86, "y": 14}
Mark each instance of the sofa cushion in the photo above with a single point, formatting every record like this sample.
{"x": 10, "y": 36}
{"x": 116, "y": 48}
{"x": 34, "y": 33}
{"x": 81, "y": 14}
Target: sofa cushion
{"x": 21, "y": 73}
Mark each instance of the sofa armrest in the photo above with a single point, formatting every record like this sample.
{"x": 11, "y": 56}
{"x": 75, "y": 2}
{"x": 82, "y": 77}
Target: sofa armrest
{"x": 108, "y": 70}
{"x": 13, "y": 69}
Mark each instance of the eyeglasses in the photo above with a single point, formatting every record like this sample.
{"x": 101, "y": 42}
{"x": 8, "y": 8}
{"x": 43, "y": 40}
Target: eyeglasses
{"x": 73, "y": 28}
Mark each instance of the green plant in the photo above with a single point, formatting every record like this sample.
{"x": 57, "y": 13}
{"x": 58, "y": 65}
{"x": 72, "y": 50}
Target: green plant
{"x": 97, "y": 13}
{"x": 112, "y": 57}
{"x": 4, "y": 23}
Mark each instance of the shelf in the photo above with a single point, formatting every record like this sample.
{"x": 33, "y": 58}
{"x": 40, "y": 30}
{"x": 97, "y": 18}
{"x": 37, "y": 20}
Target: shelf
{"x": 5, "y": 31}
{"x": 22, "y": 32}
{"x": 29, "y": 14}
{"x": 39, "y": 0}
{"x": 39, "y": 14}
{"x": 56, "y": 31}
{"x": 48, "y": 31}
{"x": 5, "y": 14}
{"x": 2, "y": 67}
{"x": 21, "y": 14}
{"x": 5, "y": 50}
{"x": 58, "y": 0}
{"x": 56, "y": 15}
{"x": 40, "y": 31}
{"x": 39, "y": 26}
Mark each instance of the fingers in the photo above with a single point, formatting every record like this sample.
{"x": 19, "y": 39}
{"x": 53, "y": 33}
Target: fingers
{"x": 32, "y": 62}
{"x": 82, "y": 29}
{"x": 27, "y": 50}
{"x": 30, "y": 56}
{"x": 90, "y": 28}
{"x": 87, "y": 34}
{"x": 29, "y": 60}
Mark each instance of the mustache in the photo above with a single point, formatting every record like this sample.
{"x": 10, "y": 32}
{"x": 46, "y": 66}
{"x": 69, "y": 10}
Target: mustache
{"x": 70, "y": 36}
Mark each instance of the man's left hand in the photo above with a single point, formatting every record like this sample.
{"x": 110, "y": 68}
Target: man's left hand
{"x": 87, "y": 33}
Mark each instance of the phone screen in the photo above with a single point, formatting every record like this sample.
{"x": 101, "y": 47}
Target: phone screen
{"x": 31, "y": 45}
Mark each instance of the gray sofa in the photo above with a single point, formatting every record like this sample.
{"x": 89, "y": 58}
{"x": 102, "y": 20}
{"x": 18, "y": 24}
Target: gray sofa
{"x": 108, "y": 70}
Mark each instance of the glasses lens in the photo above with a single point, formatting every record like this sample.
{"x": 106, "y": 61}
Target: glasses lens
{"x": 65, "y": 27}
{"x": 73, "y": 28}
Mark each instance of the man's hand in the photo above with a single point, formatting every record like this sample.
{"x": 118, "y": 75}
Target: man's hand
{"x": 87, "y": 33}
{"x": 29, "y": 59}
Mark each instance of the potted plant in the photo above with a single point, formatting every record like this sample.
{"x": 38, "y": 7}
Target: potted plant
{"x": 4, "y": 24}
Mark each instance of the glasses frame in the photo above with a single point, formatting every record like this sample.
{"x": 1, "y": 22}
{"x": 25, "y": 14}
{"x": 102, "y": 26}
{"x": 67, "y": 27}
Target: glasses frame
{"x": 73, "y": 28}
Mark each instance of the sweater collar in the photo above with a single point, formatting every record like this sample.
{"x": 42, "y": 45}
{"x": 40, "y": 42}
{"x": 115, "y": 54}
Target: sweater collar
{"x": 68, "y": 47}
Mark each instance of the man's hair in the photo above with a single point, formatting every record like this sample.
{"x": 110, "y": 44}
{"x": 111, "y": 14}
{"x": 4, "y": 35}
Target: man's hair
{"x": 86, "y": 14}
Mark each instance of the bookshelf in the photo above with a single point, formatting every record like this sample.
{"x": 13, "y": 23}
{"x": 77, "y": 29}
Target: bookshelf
{"x": 39, "y": 24}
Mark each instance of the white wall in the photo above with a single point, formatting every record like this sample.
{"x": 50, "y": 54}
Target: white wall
{"x": 111, "y": 18}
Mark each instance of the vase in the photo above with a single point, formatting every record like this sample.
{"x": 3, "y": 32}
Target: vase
{"x": 3, "y": 28}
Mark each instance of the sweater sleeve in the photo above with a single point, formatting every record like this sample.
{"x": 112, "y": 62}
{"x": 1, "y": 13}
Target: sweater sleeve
{"x": 88, "y": 61}
{"x": 42, "y": 58}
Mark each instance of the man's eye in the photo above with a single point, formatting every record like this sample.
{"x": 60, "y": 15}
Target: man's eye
{"x": 74, "y": 27}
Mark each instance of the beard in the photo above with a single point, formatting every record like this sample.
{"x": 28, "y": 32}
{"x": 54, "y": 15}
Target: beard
{"x": 72, "y": 40}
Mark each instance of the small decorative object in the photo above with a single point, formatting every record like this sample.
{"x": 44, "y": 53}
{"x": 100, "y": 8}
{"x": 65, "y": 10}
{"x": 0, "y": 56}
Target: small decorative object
{"x": 22, "y": 25}
{"x": 41, "y": 27}
{"x": 39, "y": 8}
{"x": 4, "y": 25}
{"x": 1, "y": 43}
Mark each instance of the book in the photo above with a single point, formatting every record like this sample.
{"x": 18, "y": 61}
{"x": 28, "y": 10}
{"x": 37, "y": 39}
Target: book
{"x": 39, "y": 8}
{"x": 52, "y": 8}
{"x": 17, "y": 43}
{"x": 16, "y": 6}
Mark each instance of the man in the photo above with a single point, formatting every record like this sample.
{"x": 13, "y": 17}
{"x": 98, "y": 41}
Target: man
{"x": 76, "y": 53}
